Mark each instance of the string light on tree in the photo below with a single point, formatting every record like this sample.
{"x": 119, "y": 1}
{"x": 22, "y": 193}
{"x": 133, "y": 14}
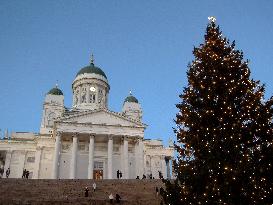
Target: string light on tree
{"x": 224, "y": 130}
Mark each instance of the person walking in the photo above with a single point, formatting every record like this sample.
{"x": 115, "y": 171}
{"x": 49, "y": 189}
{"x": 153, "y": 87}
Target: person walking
{"x": 1, "y": 172}
{"x": 8, "y": 172}
{"x": 118, "y": 174}
{"x": 94, "y": 186}
{"x": 111, "y": 198}
{"x": 24, "y": 173}
{"x": 27, "y": 174}
{"x": 157, "y": 191}
{"x": 118, "y": 198}
{"x": 86, "y": 191}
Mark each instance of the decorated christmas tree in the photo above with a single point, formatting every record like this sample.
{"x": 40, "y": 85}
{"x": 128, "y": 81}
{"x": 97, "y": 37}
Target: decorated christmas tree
{"x": 224, "y": 130}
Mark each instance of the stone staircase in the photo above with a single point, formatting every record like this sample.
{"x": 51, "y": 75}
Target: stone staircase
{"x": 68, "y": 191}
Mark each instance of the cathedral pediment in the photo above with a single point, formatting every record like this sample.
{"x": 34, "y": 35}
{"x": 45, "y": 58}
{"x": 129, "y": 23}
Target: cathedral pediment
{"x": 100, "y": 117}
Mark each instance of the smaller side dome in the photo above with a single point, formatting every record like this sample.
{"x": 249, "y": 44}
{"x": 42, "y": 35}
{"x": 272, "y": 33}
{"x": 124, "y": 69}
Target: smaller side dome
{"x": 55, "y": 91}
{"x": 131, "y": 98}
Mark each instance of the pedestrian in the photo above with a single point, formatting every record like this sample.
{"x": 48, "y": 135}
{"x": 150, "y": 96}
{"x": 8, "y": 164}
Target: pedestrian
{"x": 161, "y": 191}
{"x": 111, "y": 198}
{"x": 94, "y": 186}
{"x": 157, "y": 191}
{"x": 1, "y": 172}
{"x": 137, "y": 177}
{"x": 118, "y": 198}
{"x": 160, "y": 174}
{"x": 8, "y": 172}
{"x": 27, "y": 174}
{"x": 118, "y": 174}
{"x": 24, "y": 173}
{"x": 86, "y": 191}
{"x": 143, "y": 176}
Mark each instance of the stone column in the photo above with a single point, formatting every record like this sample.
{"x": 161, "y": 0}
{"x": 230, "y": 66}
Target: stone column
{"x": 110, "y": 157}
{"x": 91, "y": 157}
{"x": 22, "y": 160}
{"x": 163, "y": 166}
{"x": 56, "y": 156}
{"x": 140, "y": 157}
{"x": 73, "y": 164}
{"x": 88, "y": 96}
{"x": 7, "y": 160}
{"x": 168, "y": 167}
{"x": 126, "y": 161}
{"x": 38, "y": 155}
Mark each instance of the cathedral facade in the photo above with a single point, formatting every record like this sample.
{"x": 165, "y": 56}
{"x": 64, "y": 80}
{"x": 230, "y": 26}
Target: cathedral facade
{"x": 87, "y": 141}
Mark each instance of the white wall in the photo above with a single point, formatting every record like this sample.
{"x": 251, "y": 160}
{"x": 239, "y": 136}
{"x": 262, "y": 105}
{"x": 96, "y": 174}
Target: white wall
{"x": 82, "y": 166}
{"x": 64, "y": 168}
{"x": 45, "y": 171}
{"x": 17, "y": 164}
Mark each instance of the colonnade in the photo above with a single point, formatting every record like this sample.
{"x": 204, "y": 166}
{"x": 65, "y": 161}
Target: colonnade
{"x": 73, "y": 165}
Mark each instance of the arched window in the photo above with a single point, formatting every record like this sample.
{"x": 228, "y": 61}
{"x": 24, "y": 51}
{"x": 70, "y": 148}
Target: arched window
{"x": 50, "y": 119}
{"x": 83, "y": 100}
{"x": 92, "y": 97}
{"x": 100, "y": 96}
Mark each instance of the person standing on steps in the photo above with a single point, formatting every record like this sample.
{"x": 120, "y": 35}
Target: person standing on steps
{"x": 94, "y": 186}
{"x": 86, "y": 191}
{"x": 24, "y": 173}
{"x": 1, "y": 172}
{"x": 118, "y": 198}
{"x": 111, "y": 198}
{"x": 8, "y": 172}
{"x": 157, "y": 191}
{"x": 27, "y": 174}
{"x": 118, "y": 174}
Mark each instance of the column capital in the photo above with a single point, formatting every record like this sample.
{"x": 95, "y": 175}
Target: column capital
{"x": 9, "y": 151}
{"x": 59, "y": 133}
{"x": 76, "y": 134}
{"x": 92, "y": 135}
{"x": 23, "y": 152}
{"x": 125, "y": 137}
{"x": 40, "y": 148}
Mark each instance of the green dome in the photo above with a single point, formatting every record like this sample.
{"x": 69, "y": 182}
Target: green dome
{"x": 55, "y": 91}
{"x": 92, "y": 69}
{"x": 131, "y": 98}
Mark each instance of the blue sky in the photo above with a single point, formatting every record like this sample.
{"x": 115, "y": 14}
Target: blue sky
{"x": 143, "y": 46}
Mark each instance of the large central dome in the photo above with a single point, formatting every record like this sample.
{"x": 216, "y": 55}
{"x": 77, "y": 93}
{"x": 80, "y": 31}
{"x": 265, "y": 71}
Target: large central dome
{"x": 91, "y": 69}
{"x": 90, "y": 88}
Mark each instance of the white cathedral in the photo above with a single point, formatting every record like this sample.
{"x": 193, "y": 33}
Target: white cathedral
{"x": 87, "y": 141}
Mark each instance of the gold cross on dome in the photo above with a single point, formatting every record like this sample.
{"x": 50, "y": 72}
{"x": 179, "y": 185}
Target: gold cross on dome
{"x": 92, "y": 59}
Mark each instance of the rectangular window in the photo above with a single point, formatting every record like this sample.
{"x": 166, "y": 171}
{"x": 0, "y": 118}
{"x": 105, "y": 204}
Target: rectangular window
{"x": 65, "y": 147}
{"x": 98, "y": 165}
{"x": 81, "y": 147}
{"x": 116, "y": 149}
{"x": 31, "y": 159}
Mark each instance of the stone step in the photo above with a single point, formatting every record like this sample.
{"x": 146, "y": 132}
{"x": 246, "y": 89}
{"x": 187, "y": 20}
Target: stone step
{"x": 47, "y": 191}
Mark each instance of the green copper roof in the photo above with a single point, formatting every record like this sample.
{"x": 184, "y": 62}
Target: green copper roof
{"x": 55, "y": 91}
{"x": 131, "y": 98}
{"x": 92, "y": 69}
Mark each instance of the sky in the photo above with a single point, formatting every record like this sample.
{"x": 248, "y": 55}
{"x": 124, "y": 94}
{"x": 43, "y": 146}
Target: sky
{"x": 143, "y": 46}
